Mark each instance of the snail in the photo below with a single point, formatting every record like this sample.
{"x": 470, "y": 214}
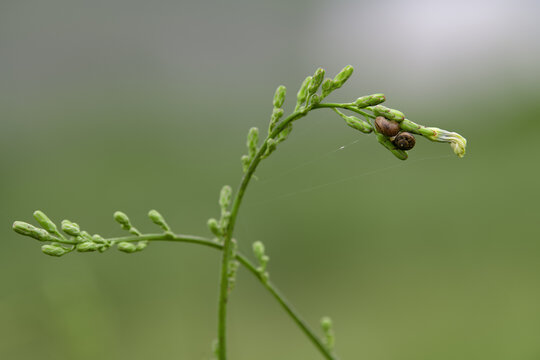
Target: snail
{"x": 386, "y": 127}
{"x": 404, "y": 141}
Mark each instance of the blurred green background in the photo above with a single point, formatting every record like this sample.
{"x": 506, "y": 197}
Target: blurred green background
{"x": 133, "y": 105}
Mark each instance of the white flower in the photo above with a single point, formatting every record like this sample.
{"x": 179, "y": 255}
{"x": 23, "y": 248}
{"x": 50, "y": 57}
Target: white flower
{"x": 457, "y": 142}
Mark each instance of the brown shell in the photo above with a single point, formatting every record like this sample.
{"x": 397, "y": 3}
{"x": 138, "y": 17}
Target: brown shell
{"x": 386, "y": 127}
{"x": 404, "y": 141}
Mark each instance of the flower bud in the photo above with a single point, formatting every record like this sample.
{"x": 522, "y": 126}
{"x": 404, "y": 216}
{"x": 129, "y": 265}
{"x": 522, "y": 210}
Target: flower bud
{"x": 457, "y": 142}
{"x": 343, "y": 76}
{"x": 316, "y": 81}
{"x": 214, "y": 227}
{"x": 271, "y": 146}
{"x": 328, "y": 329}
{"x": 126, "y": 247}
{"x": 258, "y": 249}
{"x": 70, "y": 228}
{"x": 326, "y": 324}
{"x": 26, "y": 229}
{"x": 279, "y": 96}
{"x": 122, "y": 219}
{"x": 158, "y": 220}
{"x": 284, "y": 134}
{"x": 225, "y": 197}
{"x": 141, "y": 245}
{"x": 45, "y": 222}
{"x": 98, "y": 239}
{"x": 327, "y": 87}
{"x": 87, "y": 246}
{"x": 315, "y": 99}
{"x": 252, "y": 141}
{"x": 302, "y": 94}
{"x": 369, "y": 100}
{"x": 54, "y": 250}
{"x": 358, "y": 124}
{"x": 390, "y": 114}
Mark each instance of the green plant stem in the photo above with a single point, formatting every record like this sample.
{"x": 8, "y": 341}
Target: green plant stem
{"x": 349, "y": 107}
{"x": 226, "y": 255}
{"x": 252, "y": 269}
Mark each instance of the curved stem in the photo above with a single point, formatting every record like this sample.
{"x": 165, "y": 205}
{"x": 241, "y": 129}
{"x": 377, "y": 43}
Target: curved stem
{"x": 252, "y": 269}
{"x": 349, "y": 107}
{"x": 226, "y": 256}
{"x": 227, "y": 237}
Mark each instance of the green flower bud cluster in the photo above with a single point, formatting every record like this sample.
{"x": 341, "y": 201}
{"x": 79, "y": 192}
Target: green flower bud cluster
{"x": 252, "y": 141}
{"x": 394, "y": 131}
{"x": 77, "y": 239}
{"x": 306, "y": 99}
{"x": 218, "y": 228}
{"x": 262, "y": 258}
{"x": 328, "y": 330}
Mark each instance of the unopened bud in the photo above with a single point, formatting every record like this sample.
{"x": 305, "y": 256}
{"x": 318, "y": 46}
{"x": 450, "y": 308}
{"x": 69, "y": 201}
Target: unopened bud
{"x": 26, "y": 229}
{"x": 326, "y": 324}
{"x": 316, "y": 81}
{"x": 87, "y": 246}
{"x": 302, "y": 94}
{"x": 158, "y": 220}
{"x": 225, "y": 197}
{"x": 127, "y": 247}
{"x": 70, "y": 228}
{"x": 252, "y": 141}
{"x": 214, "y": 227}
{"x": 258, "y": 249}
{"x": 358, "y": 124}
{"x": 284, "y": 134}
{"x": 343, "y": 76}
{"x": 369, "y": 100}
{"x": 123, "y": 220}
{"x": 45, "y": 222}
{"x": 279, "y": 96}
{"x": 98, "y": 239}
{"x": 327, "y": 87}
{"x": 315, "y": 99}
{"x": 54, "y": 250}
{"x": 246, "y": 161}
{"x": 141, "y": 245}
{"x": 390, "y": 114}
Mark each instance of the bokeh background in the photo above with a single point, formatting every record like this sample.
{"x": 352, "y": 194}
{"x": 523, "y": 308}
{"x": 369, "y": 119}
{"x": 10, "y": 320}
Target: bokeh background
{"x": 133, "y": 105}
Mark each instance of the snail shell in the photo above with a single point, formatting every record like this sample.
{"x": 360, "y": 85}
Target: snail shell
{"x": 404, "y": 141}
{"x": 386, "y": 127}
